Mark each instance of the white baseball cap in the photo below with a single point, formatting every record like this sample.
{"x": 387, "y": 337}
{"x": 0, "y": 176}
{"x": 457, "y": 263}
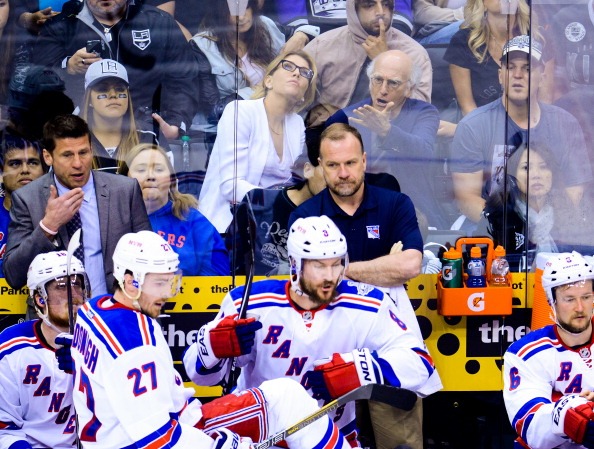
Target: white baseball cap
{"x": 106, "y": 68}
{"x": 525, "y": 45}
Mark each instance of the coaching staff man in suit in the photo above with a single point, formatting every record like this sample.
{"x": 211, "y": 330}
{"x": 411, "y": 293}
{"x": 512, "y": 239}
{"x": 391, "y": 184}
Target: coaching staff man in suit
{"x": 46, "y": 212}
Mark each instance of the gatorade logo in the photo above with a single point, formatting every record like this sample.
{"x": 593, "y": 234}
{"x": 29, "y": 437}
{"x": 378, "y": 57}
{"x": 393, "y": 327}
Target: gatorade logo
{"x": 448, "y": 273}
{"x": 476, "y": 302}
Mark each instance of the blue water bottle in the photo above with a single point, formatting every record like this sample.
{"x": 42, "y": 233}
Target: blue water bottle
{"x": 476, "y": 269}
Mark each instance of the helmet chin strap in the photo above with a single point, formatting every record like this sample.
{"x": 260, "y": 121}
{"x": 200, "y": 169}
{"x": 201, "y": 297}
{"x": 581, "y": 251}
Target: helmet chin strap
{"x": 46, "y": 320}
{"x": 134, "y": 298}
{"x": 553, "y": 317}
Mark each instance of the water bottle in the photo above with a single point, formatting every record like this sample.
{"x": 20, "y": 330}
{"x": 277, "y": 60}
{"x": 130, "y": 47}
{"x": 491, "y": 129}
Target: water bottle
{"x": 499, "y": 268}
{"x": 476, "y": 269}
{"x": 451, "y": 269}
{"x": 185, "y": 153}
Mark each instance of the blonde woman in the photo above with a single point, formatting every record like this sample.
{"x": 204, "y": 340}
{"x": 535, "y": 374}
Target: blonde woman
{"x": 259, "y": 140}
{"x": 174, "y": 215}
{"x": 107, "y": 108}
{"x": 475, "y": 50}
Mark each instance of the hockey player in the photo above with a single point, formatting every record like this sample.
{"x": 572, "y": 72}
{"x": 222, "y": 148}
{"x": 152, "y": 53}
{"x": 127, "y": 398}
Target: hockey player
{"x": 127, "y": 392}
{"x": 330, "y": 334}
{"x": 35, "y": 395}
{"x": 548, "y": 375}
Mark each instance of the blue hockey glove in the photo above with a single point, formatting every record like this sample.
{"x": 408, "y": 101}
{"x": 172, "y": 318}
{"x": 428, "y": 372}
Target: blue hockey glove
{"x": 65, "y": 362}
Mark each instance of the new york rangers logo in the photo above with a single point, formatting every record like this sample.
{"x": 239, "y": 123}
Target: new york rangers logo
{"x": 141, "y": 38}
{"x": 586, "y": 356}
{"x": 373, "y": 232}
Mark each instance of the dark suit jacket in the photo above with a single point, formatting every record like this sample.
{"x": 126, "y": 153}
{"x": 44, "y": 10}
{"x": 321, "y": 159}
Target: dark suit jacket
{"x": 121, "y": 210}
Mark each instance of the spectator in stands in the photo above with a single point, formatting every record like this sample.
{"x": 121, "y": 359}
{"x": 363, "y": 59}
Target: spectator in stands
{"x": 329, "y": 15}
{"x": 485, "y": 137}
{"x": 571, "y": 40}
{"x": 398, "y": 131}
{"x": 144, "y": 39}
{"x": 343, "y": 53}
{"x": 270, "y": 137}
{"x": 46, "y": 213}
{"x": 36, "y": 95}
{"x": 437, "y": 20}
{"x": 475, "y": 51}
{"x": 31, "y": 17}
{"x": 7, "y": 48}
{"x": 223, "y": 46}
{"x": 107, "y": 108}
{"x": 174, "y": 215}
{"x": 21, "y": 164}
{"x": 533, "y": 214}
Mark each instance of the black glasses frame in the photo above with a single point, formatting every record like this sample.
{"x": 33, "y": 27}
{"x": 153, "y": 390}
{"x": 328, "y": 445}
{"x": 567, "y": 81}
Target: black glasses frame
{"x": 290, "y": 66}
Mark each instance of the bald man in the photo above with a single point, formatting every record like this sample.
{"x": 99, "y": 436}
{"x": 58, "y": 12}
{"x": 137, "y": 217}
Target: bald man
{"x": 398, "y": 131}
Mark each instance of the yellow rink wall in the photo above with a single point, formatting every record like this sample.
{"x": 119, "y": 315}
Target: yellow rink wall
{"x": 467, "y": 350}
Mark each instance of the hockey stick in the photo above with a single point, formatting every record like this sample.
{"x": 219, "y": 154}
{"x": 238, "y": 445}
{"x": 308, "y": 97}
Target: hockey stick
{"x": 250, "y": 261}
{"x": 396, "y": 397}
{"x": 72, "y": 246}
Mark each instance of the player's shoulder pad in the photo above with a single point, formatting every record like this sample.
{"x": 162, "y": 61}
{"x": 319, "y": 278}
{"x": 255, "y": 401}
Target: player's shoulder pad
{"x": 357, "y": 295}
{"x": 274, "y": 286}
{"x": 534, "y": 342}
{"x": 266, "y": 293}
{"x": 119, "y": 328}
{"x": 17, "y": 337}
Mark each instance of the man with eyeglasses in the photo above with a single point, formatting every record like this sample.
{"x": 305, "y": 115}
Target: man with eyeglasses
{"x": 398, "y": 132}
{"x": 341, "y": 56}
{"x": 548, "y": 376}
{"x": 486, "y": 137}
{"x": 36, "y": 408}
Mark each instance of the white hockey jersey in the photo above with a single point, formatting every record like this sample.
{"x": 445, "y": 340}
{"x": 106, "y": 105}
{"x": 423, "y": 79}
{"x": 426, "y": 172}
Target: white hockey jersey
{"x": 127, "y": 392}
{"x": 538, "y": 370}
{"x": 35, "y": 395}
{"x": 291, "y": 340}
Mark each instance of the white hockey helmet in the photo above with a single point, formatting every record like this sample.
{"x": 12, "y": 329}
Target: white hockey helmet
{"x": 563, "y": 269}
{"x": 314, "y": 238}
{"x": 51, "y": 266}
{"x": 141, "y": 253}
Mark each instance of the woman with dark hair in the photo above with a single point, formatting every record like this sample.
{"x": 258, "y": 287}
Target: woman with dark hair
{"x": 227, "y": 43}
{"x": 533, "y": 213}
{"x": 174, "y": 215}
{"x": 259, "y": 140}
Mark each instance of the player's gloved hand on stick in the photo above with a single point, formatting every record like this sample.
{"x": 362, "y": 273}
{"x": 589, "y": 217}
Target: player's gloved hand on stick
{"x": 226, "y": 338}
{"x": 63, "y": 344}
{"x": 573, "y": 416}
{"x": 225, "y": 439}
{"x": 337, "y": 375}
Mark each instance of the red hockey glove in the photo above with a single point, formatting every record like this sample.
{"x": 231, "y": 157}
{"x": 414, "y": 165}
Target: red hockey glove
{"x": 343, "y": 373}
{"x": 232, "y": 338}
{"x": 575, "y": 415}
